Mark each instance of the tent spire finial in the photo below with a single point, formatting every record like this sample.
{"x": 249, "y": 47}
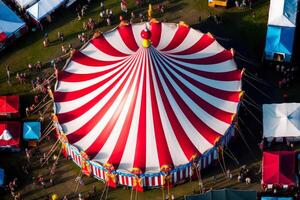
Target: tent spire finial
{"x": 146, "y": 35}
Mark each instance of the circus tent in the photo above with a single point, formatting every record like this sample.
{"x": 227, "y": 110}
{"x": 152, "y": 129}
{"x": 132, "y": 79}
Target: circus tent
{"x": 146, "y": 99}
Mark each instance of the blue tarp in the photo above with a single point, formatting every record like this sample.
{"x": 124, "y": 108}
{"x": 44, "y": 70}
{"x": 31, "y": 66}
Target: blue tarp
{"x": 10, "y": 23}
{"x": 225, "y": 194}
{"x": 276, "y": 198}
{"x": 279, "y": 40}
{"x": 32, "y": 130}
{"x": 1, "y": 177}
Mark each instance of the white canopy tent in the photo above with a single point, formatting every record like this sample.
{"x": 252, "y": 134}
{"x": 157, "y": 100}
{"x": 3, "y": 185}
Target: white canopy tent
{"x": 43, "y": 8}
{"x": 283, "y": 13}
{"x": 24, "y": 3}
{"x": 281, "y": 120}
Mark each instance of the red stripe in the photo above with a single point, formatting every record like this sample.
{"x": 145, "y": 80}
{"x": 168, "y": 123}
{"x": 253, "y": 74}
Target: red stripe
{"x": 163, "y": 151}
{"x": 71, "y": 115}
{"x": 85, "y": 60}
{"x": 185, "y": 143}
{"x": 97, "y": 145}
{"x": 118, "y": 151}
{"x": 225, "y": 95}
{"x": 178, "y": 38}
{"x": 208, "y": 133}
{"x": 209, "y": 108}
{"x": 140, "y": 152}
{"x": 127, "y": 36}
{"x": 72, "y": 95}
{"x": 202, "y": 43}
{"x": 103, "y": 45}
{"x": 215, "y": 59}
{"x": 221, "y": 94}
{"x": 156, "y": 33}
{"x": 86, "y": 128}
{"x": 221, "y": 76}
{"x": 72, "y": 77}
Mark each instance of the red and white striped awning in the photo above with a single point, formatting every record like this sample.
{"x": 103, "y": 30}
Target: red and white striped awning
{"x": 143, "y": 108}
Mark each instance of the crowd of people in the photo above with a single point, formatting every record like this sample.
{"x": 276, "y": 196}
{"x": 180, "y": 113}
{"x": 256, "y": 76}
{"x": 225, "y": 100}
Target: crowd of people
{"x": 41, "y": 84}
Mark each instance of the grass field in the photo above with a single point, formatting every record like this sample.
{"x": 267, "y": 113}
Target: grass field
{"x": 239, "y": 30}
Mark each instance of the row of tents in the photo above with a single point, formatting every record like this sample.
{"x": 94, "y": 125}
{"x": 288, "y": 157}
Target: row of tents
{"x": 11, "y": 128}
{"x": 13, "y": 27}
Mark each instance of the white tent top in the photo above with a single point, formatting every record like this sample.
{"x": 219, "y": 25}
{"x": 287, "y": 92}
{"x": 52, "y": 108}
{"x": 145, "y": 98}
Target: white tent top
{"x": 5, "y": 135}
{"x": 25, "y": 3}
{"x": 283, "y": 13}
{"x": 43, "y": 7}
{"x": 281, "y": 120}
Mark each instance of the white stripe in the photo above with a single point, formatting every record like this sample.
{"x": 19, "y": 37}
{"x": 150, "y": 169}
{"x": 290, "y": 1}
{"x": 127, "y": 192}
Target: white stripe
{"x": 111, "y": 141}
{"x": 115, "y": 40}
{"x": 161, "y": 180}
{"x": 149, "y": 181}
{"x": 155, "y": 180}
{"x": 176, "y": 152}
{"x": 137, "y": 29}
{"x": 130, "y": 181}
{"x": 225, "y": 105}
{"x": 130, "y": 148}
{"x": 152, "y": 163}
{"x": 216, "y": 124}
{"x": 90, "y": 137}
{"x": 225, "y": 66}
{"x": 77, "y": 68}
{"x": 67, "y": 106}
{"x": 192, "y": 38}
{"x": 64, "y": 86}
{"x": 168, "y": 31}
{"x": 120, "y": 180}
{"x": 195, "y": 137}
{"x": 75, "y": 124}
{"x": 91, "y": 51}
{"x": 209, "y": 51}
{"x": 222, "y": 85}
{"x": 175, "y": 177}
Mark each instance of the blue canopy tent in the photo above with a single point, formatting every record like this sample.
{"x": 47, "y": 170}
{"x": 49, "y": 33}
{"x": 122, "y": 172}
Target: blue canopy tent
{"x": 32, "y": 130}
{"x": 224, "y": 194}
{"x": 276, "y": 198}
{"x": 1, "y": 177}
{"x": 281, "y": 30}
{"x": 280, "y": 41}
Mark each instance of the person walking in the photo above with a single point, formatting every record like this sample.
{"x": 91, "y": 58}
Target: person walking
{"x": 8, "y": 74}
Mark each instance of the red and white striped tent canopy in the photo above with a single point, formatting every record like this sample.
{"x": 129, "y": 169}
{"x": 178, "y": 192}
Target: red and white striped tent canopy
{"x": 135, "y": 107}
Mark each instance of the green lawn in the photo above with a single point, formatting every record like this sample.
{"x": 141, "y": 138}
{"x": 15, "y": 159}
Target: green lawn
{"x": 246, "y": 32}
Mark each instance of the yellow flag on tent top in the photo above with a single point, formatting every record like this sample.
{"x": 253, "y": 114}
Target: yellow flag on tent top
{"x": 150, "y": 12}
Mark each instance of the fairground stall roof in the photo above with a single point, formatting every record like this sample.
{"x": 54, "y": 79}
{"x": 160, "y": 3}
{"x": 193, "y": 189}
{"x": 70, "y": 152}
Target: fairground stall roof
{"x": 9, "y": 105}
{"x": 148, "y": 96}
